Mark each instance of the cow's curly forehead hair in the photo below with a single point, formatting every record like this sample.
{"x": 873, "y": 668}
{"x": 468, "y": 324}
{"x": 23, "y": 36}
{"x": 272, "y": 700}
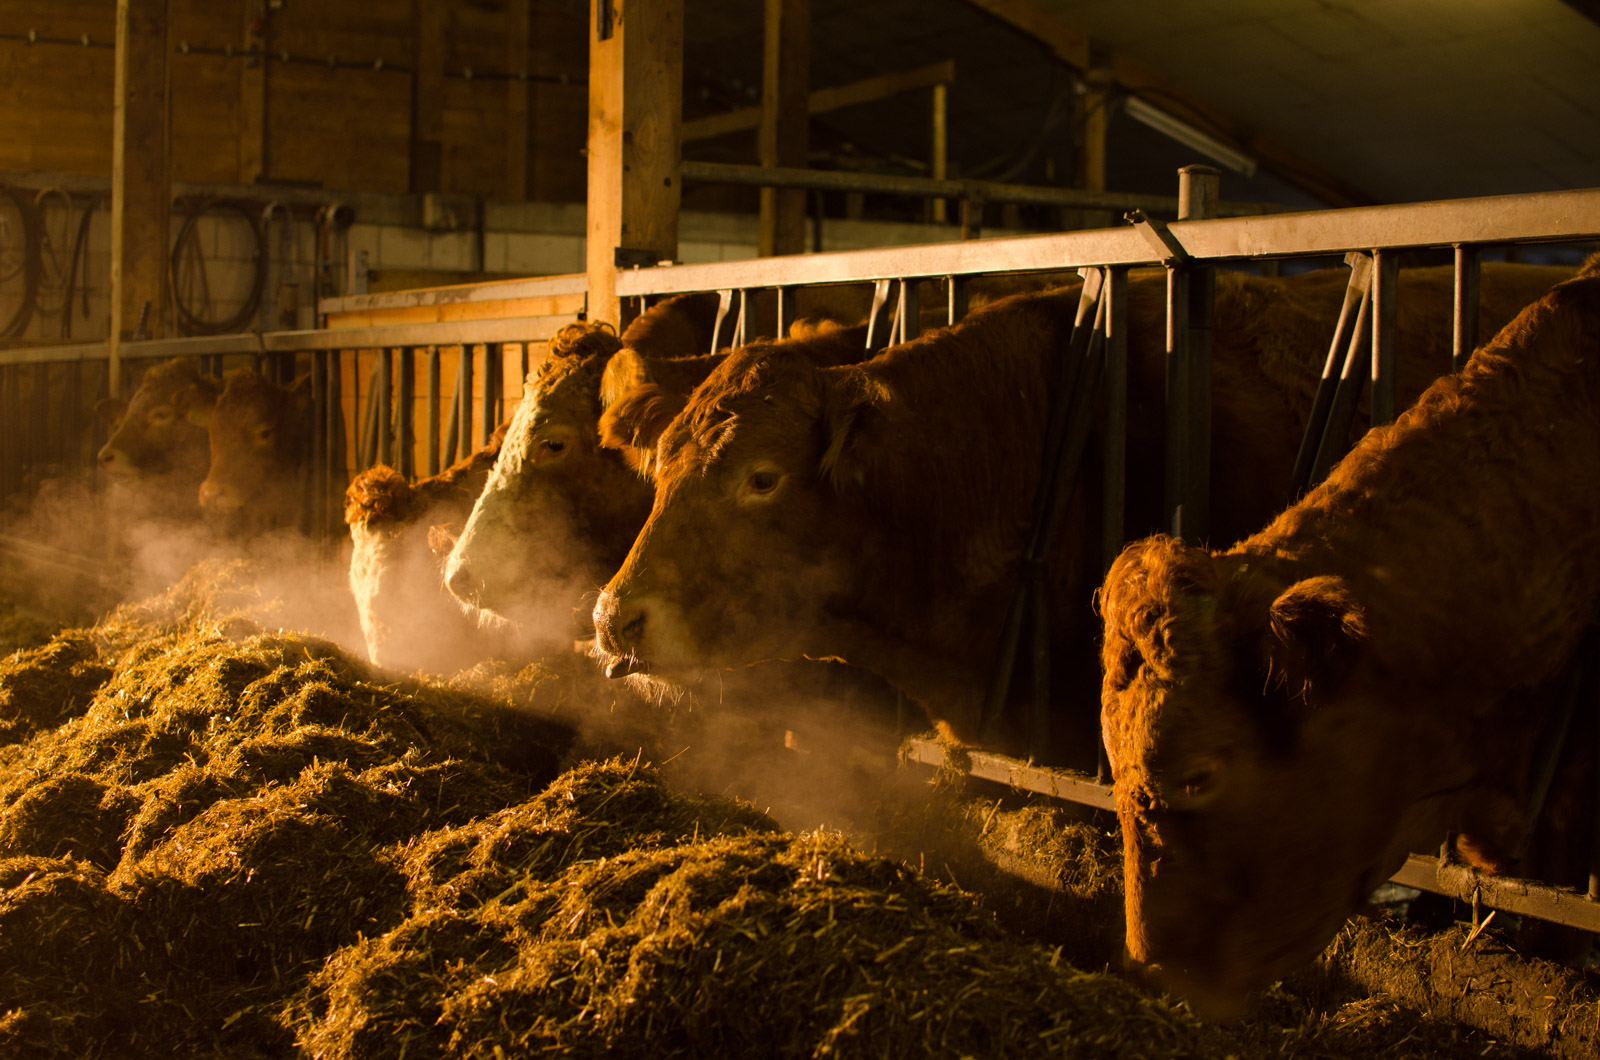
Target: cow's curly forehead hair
{"x": 747, "y": 379}
{"x": 247, "y": 388}
{"x": 1160, "y": 605}
{"x": 578, "y": 355}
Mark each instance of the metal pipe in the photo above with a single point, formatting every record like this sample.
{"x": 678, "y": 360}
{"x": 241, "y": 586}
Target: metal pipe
{"x": 1355, "y": 292}
{"x": 369, "y": 423}
{"x": 322, "y": 506}
{"x": 432, "y": 411}
{"x": 963, "y": 190}
{"x": 956, "y": 299}
{"x": 1347, "y": 395}
{"x": 908, "y": 314}
{"x": 1176, "y": 471}
{"x": 1465, "y": 336}
{"x": 384, "y": 370}
{"x": 1385, "y": 328}
{"x": 493, "y": 367}
{"x": 464, "y": 404}
{"x": 1197, "y": 200}
{"x": 878, "y": 326}
{"x": 1114, "y": 448}
{"x": 405, "y": 412}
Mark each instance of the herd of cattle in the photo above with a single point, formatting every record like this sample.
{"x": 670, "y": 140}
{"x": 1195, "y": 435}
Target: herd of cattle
{"x": 1284, "y": 720}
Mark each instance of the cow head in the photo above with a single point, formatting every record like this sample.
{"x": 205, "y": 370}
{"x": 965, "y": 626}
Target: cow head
{"x": 259, "y": 451}
{"x": 556, "y": 507}
{"x": 161, "y": 430}
{"x": 1259, "y": 791}
{"x": 749, "y": 539}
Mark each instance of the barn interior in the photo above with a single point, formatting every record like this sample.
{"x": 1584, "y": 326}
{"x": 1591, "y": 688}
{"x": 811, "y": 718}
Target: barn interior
{"x": 231, "y": 826}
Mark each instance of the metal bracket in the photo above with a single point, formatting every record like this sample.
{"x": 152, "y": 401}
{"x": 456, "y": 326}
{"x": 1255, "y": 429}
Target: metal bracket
{"x": 1170, "y": 251}
{"x": 633, "y": 257}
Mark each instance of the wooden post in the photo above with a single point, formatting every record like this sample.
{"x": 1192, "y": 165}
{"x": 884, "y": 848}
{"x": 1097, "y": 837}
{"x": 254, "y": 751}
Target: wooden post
{"x": 519, "y": 26}
{"x": 635, "y": 118}
{"x": 253, "y": 94}
{"x": 940, "y": 145}
{"x": 785, "y": 121}
{"x": 427, "y": 95}
{"x": 1096, "y": 120}
{"x": 140, "y": 176}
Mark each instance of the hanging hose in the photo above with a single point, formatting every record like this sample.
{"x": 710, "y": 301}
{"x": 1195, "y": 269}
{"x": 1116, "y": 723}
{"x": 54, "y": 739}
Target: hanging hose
{"x": 79, "y": 245}
{"x": 190, "y": 321}
{"x": 32, "y": 266}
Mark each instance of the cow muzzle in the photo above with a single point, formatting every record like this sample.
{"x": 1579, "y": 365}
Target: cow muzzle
{"x": 220, "y": 497}
{"x": 620, "y": 629}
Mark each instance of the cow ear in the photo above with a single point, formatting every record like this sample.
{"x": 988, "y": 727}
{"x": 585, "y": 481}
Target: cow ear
{"x": 110, "y": 410}
{"x": 194, "y": 403}
{"x": 625, "y": 370}
{"x": 849, "y": 405}
{"x": 634, "y": 421}
{"x": 1315, "y": 628}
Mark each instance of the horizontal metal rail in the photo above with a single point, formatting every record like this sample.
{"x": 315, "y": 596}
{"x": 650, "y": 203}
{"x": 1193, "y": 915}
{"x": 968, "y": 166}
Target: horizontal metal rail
{"x": 1540, "y": 217}
{"x": 931, "y": 188}
{"x": 444, "y": 333}
{"x": 1422, "y": 872}
{"x": 459, "y": 294}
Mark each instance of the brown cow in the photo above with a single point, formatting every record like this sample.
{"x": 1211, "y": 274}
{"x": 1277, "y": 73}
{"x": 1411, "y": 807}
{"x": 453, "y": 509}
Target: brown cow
{"x": 157, "y": 451}
{"x": 559, "y": 509}
{"x": 260, "y": 435}
{"x": 400, "y": 533}
{"x": 1287, "y": 719}
{"x": 876, "y": 513}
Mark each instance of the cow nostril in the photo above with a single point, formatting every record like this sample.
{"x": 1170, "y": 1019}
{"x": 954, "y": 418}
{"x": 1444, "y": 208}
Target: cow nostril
{"x": 634, "y": 627}
{"x": 462, "y": 583}
{"x": 107, "y": 457}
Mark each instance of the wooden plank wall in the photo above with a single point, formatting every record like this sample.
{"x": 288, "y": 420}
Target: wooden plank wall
{"x": 338, "y": 127}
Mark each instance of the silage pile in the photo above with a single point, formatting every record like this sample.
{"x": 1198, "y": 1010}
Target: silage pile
{"x": 218, "y": 841}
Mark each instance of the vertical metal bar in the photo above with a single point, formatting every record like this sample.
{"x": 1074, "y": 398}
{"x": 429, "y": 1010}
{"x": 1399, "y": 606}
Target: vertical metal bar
{"x": 369, "y": 422}
{"x": 1198, "y": 191}
{"x": 333, "y": 472}
{"x": 1385, "y": 325}
{"x": 464, "y": 402}
{"x": 492, "y": 369}
{"x": 786, "y": 310}
{"x": 385, "y": 398}
{"x": 724, "y": 308}
{"x": 1176, "y": 482}
{"x": 878, "y": 318}
{"x": 432, "y": 411}
{"x": 1355, "y": 292}
{"x": 452, "y": 433}
{"x": 405, "y": 412}
{"x": 1341, "y": 414}
{"x": 910, "y": 311}
{"x": 1468, "y": 272}
{"x": 321, "y": 506}
{"x": 1114, "y": 467}
{"x": 741, "y": 325}
{"x": 956, "y": 303}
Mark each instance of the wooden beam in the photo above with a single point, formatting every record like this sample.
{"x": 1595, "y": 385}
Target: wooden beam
{"x": 785, "y": 122}
{"x": 140, "y": 176}
{"x": 635, "y": 115}
{"x": 253, "y": 94}
{"x": 1073, "y": 48}
{"x": 519, "y": 26}
{"x": 429, "y": 18}
{"x": 836, "y": 97}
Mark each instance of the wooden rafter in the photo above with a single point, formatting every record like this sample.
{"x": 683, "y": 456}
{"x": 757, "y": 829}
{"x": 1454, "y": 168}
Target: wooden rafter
{"x": 867, "y": 90}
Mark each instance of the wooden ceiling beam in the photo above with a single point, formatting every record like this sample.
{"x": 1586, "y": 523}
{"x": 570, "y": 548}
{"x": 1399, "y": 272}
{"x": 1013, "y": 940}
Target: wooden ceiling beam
{"x": 1075, "y": 49}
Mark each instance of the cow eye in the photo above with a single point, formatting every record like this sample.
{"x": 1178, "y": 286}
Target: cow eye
{"x": 264, "y": 434}
{"x": 762, "y": 481}
{"x": 1201, "y": 781}
{"x": 161, "y": 416}
{"x": 555, "y": 445}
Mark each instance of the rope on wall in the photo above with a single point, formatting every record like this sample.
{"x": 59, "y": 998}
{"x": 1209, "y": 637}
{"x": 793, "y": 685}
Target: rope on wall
{"x": 188, "y": 269}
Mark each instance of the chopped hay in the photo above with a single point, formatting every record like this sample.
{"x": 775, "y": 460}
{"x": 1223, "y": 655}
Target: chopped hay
{"x": 221, "y": 842}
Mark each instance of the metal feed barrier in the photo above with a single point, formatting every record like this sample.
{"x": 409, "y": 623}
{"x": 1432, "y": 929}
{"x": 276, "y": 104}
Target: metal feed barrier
{"x": 1189, "y": 248}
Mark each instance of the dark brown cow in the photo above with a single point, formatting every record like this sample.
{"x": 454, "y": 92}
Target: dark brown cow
{"x": 158, "y": 451}
{"x": 1287, "y": 719}
{"x": 260, "y": 435}
{"x": 876, "y": 513}
{"x": 400, "y": 534}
